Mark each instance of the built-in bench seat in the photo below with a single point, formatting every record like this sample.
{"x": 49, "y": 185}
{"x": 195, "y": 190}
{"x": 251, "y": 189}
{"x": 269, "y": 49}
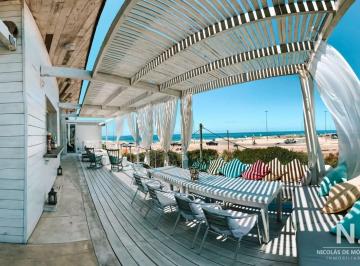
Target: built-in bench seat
{"x": 315, "y": 244}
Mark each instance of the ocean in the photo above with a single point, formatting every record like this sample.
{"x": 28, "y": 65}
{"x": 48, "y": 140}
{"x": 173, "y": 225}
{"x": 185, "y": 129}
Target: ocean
{"x": 209, "y": 136}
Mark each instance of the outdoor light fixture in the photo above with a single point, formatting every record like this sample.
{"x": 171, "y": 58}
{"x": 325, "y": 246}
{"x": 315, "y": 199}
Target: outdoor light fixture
{"x": 59, "y": 170}
{"x": 52, "y": 197}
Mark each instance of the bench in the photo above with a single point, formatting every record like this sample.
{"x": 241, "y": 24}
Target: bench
{"x": 315, "y": 244}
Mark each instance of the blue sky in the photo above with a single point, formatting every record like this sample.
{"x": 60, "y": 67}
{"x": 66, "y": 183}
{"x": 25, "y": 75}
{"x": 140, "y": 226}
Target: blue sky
{"x": 241, "y": 108}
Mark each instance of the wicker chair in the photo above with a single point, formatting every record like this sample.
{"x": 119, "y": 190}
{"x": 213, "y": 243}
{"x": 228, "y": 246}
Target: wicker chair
{"x": 161, "y": 201}
{"x": 115, "y": 159}
{"x": 233, "y": 225}
{"x": 191, "y": 209}
{"x": 95, "y": 160}
{"x": 141, "y": 182}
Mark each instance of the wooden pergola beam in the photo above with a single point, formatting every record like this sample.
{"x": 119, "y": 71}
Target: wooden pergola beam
{"x": 112, "y": 108}
{"x": 114, "y": 95}
{"x": 239, "y": 58}
{"x": 246, "y": 77}
{"x": 281, "y": 10}
{"x": 80, "y": 74}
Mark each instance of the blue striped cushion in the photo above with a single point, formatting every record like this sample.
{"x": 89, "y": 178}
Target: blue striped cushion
{"x": 196, "y": 164}
{"x": 234, "y": 168}
{"x": 202, "y": 166}
{"x": 215, "y": 166}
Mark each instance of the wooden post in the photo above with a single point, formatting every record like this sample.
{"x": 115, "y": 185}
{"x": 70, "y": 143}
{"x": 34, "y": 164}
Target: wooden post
{"x": 316, "y": 160}
{"x": 201, "y": 142}
{"x": 137, "y": 140}
{"x": 228, "y": 139}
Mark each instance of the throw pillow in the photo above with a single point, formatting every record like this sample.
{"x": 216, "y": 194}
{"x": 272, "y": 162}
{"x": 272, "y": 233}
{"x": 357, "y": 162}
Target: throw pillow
{"x": 335, "y": 176}
{"x": 257, "y": 171}
{"x": 234, "y": 168}
{"x": 215, "y": 166}
{"x": 277, "y": 170}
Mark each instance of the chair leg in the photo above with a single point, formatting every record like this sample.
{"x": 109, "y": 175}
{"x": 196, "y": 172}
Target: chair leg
{"x": 203, "y": 240}
{"x": 134, "y": 196}
{"x": 158, "y": 221}
{"x": 196, "y": 235}
{"x": 147, "y": 212}
{"x": 237, "y": 249}
{"x": 258, "y": 231}
{"x": 177, "y": 221}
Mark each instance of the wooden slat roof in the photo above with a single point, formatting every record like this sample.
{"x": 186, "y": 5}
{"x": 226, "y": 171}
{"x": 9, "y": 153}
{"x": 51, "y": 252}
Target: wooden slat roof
{"x": 183, "y": 47}
{"x": 67, "y": 28}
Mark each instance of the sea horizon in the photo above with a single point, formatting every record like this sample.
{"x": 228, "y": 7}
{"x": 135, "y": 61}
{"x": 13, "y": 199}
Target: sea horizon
{"x": 224, "y": 135}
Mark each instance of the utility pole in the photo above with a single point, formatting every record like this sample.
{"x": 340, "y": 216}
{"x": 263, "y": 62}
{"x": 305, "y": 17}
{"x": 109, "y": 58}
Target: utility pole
{"x": 266, "y": 124}
{"x": 201, "y": 142}
{"x": 228, "y": 139}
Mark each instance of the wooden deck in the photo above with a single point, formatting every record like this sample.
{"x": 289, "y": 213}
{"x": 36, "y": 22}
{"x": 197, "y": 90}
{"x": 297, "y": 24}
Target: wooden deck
{"x": 135, "y": 241}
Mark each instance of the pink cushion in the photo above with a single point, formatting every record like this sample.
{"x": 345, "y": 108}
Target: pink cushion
{"x": 257, "y": 171}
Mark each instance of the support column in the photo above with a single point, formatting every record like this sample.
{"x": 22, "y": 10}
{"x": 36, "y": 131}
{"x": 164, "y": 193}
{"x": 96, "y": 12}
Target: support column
{"x": 315, "y": 156}
{"x": 63, "y": 129}
{"x": 137, "y": 143}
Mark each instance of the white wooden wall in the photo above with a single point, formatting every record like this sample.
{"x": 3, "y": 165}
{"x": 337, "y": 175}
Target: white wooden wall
{"x": 87, "y": 134}
{"x": 41, "y": 173}
{"x": 12, "y": 131}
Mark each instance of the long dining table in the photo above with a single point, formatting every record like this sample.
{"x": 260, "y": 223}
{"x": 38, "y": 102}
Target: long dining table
{"x": 249, "y": 193}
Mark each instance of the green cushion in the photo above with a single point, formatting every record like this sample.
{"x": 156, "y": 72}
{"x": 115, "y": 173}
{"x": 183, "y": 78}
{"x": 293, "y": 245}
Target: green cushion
{"x": 201, "y": 166}
{"x": 234, "y": 168}
{"x": 215, "y": 166}
{"x": 352, "y": 217}
{"x": 335, "y": 176}
{"x": 113, "y": 159}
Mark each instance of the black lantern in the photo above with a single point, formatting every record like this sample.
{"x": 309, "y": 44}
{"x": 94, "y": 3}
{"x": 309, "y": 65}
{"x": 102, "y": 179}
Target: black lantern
{"x": 59, "y": 170}
{"x": 52, "y": 197}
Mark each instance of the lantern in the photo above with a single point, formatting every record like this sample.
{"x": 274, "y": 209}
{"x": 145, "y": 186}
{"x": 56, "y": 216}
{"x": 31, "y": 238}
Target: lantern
{"x": 194, "y": 174}
{"x": 52, "y": 197}
{"x": 59, "y": 170}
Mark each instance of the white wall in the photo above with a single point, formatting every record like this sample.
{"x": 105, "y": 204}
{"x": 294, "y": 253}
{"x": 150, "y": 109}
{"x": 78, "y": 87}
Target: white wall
{"x": 12, "y": 131}
{"x": 87, "y": 133}
{"x": 40, "y": 173}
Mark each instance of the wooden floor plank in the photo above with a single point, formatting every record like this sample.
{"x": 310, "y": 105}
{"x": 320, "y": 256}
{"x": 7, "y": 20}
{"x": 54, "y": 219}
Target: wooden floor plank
{"x": 246, "y": 251}
{"x": 135, "y": 241}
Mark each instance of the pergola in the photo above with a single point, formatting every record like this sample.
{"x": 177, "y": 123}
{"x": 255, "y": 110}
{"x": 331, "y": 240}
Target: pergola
{"x": 157, "y": 50}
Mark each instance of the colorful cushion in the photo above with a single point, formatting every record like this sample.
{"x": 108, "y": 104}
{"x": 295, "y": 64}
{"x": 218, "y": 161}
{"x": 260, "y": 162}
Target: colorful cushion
{"x": 234, "y": 168}
{"x": 203, "y": 166}
{"x": 335, "y": 176}
{"x": 196, "y": 164}
{"x": 295, "y": 172}
{"x": 257, "y": 171}
{"x": 215, "y": 166}
{"x": 342, "y": 196}
{"x": 277, "y": 170}
{"x": 352, "y": 217}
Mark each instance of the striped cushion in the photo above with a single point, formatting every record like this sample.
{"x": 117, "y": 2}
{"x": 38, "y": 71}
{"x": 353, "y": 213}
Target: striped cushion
{"x": 196, "y": 164}
{"x": 277, "y": 170}
{"x": 215, "y": 166}
{"x": 203, "y": 166}
{"x": 257, "y": 171}
{"x": 295, "y": 172}
{"x": 234, "y": 168}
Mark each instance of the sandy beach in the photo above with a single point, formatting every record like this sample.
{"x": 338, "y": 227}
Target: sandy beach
{"x": 328, "y": 145}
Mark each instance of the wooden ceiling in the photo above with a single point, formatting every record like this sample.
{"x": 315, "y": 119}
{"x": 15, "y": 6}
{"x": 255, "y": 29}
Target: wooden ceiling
{"x": 67, "y": 27}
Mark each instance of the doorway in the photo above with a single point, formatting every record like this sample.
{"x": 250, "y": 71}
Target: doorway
{"x": 70, "y": 138}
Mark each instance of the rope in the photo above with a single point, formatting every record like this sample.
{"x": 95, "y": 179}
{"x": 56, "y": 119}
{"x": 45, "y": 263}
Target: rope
{"x": 220, "y": 137}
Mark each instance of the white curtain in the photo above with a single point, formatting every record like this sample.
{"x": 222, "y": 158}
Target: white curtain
{"x": 165, "y": 118}
{"x": 145, "y": 120}
{"x": 339, "y": 88}
{"x": 131, "y": 119}
{"x": 186, "y": 126}
{"x": 119, "y": 126}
